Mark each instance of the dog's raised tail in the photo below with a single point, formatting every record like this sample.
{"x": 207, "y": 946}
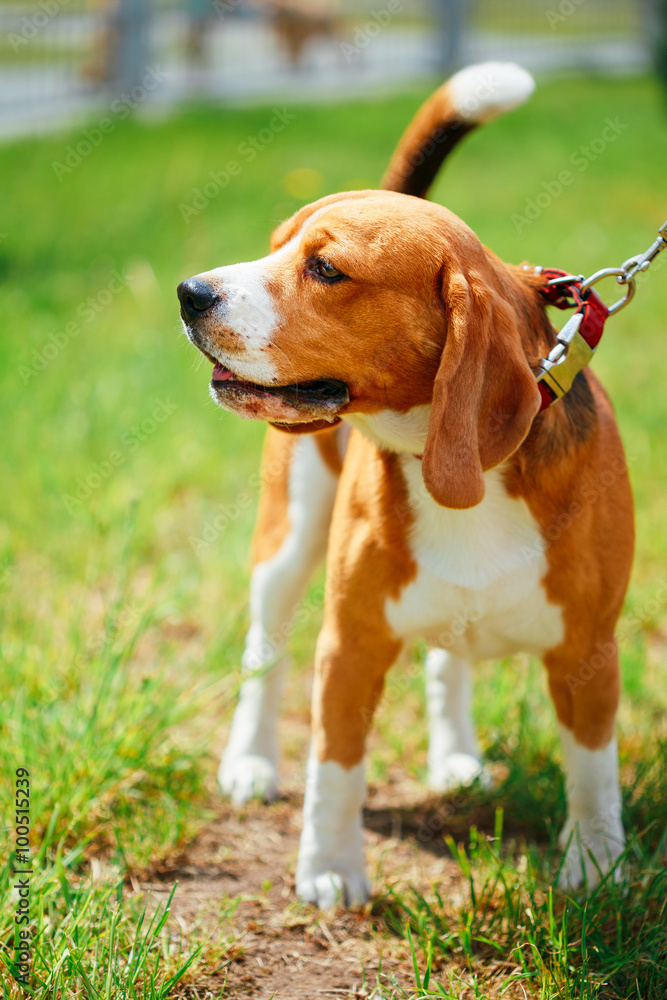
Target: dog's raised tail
{"x": 469, "y": 98}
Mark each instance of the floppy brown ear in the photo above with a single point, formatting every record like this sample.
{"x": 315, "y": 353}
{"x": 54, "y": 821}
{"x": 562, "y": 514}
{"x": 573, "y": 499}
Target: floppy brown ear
{"x": 485, "y": 395}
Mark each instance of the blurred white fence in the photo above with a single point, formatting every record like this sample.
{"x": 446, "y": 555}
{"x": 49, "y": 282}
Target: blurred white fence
{"x": 61, "y": 58}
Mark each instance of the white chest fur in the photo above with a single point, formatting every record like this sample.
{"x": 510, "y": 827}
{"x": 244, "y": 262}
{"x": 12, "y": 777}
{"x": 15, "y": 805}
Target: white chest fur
{"x": 478, "y": 590}
{"x": 403, "y": 432}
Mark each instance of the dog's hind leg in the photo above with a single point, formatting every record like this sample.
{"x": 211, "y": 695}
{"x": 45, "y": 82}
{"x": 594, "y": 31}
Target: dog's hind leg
{"x": 453, "y": 754}
{"x": 585, "y": 690}
{"x": 299, "y": 481}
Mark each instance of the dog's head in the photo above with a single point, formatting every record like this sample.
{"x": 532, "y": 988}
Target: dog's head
{"x": 374, "y": 301}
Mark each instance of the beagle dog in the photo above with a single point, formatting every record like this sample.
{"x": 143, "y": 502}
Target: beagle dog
{"x": 393, "y": 357}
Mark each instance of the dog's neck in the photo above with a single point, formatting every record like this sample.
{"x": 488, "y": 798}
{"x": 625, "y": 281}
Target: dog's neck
{"x": 392, "y": 430}
{"x": 537, "y": 331}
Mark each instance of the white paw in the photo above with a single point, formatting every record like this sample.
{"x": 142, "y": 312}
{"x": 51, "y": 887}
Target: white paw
{"x": 579, "y": 868}
{"x": 328, "y": 889}
{"x": 455, "y": 771}
{"x": 248, "y": 777}
{"x": 330, "y": 869}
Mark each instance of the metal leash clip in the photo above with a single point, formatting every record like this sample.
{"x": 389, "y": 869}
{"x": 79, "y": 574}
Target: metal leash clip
{"x": 629, "y": 269}
{"x": 565, "y": 360}
{"x": 577, "y": 341}
{"x": 622, "y": 279}
{"x": 642, "y": 261}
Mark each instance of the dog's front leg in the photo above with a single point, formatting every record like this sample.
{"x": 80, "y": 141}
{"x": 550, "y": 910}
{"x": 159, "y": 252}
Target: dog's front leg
{"x": 298, "y": 491}
{"x": 369, "y": 561}
{"x": 348, "y": 683}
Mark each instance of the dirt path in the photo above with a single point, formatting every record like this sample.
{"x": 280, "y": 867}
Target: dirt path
{"x": 287, "y": 950}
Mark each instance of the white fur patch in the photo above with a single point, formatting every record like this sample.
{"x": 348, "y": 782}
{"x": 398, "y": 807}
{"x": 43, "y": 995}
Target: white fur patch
{"x": 394, "y": 430}
{"x": 594, "y": 811}
{"x": 248, "y": 309}
{"x": 249, "y": 764}
{"x": 330, "y": 868}
{"x": 478, "y": 590}
{"x": 482, "y": 92}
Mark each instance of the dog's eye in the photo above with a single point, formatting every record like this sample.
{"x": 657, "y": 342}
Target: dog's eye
{"x": 326, "y": 270}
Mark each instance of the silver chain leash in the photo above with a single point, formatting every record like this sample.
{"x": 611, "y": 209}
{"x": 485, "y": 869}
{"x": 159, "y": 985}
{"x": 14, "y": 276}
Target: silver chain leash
{"x": 625, "y": 274}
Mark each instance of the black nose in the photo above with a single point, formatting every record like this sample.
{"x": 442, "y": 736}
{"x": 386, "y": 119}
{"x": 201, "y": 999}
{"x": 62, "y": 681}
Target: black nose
{"x": 196, "y": 297}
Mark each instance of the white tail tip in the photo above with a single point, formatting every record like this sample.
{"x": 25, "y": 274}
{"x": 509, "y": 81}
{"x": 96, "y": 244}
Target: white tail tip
{"x": 486, "y": 90}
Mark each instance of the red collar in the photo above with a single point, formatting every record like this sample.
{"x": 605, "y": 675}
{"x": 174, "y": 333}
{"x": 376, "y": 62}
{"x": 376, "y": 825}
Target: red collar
{"x": 577, "y": 341}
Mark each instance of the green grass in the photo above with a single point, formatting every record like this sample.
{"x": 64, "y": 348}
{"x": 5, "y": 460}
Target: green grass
{"x": 542, "y": 17}
{"x": 610, "y": 944}
{"x": 121, "y": 636}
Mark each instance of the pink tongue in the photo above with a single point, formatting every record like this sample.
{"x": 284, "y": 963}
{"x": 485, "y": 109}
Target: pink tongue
{"x": 221, "y": 374}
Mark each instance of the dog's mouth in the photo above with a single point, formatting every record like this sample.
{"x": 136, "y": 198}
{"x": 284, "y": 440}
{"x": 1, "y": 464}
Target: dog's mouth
{"x": 322, "y": 398}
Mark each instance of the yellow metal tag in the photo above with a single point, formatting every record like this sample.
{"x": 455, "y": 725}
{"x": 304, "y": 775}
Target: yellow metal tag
{"x": 560, "y": 377}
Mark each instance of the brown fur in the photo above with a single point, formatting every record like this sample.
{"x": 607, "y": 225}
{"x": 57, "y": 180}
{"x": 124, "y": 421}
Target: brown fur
{"x": 583, "y": 503}
{"x": 450, "y": 292}
{"x": 428, "y": 140}
{"x": 485, "y": 395}
{"x": 355, "y": 647}
{"x": 429, "y": 315}
{"x": 330, "y": 451}
{"x": 272, "y": 525}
